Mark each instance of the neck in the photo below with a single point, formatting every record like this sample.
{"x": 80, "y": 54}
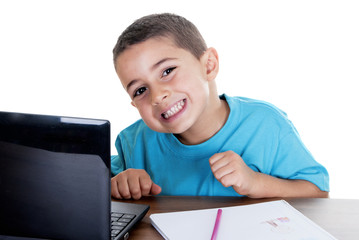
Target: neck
{"x": 208, "y": 126}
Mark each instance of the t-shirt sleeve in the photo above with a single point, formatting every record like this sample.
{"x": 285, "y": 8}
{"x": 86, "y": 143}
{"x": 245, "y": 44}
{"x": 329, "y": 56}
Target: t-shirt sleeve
{"x": 117, "y": 161}
{"x": 294, "y": 161}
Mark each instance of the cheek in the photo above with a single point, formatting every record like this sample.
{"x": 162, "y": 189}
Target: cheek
{"x": 143, "y": 112}
{"x": 146, "y": 115}
{"x": 150, "y": 121}
{"x": 190, "y": 81}
{"x": 198, "y": 88}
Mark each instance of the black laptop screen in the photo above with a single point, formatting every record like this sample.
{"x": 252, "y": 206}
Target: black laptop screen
{"x": 57, "y": 134}
{"x": 54, "y": 176}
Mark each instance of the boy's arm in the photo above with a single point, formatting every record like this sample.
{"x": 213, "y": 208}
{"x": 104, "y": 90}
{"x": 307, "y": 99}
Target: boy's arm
{"x": 269, "y": 186}
{"x": 230, "y": 169}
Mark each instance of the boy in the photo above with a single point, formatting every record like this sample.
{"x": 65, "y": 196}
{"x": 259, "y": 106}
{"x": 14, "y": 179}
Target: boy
{"x": 191, "y": 141}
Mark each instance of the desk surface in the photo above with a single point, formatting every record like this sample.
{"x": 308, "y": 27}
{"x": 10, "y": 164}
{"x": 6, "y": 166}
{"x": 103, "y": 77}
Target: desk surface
{"x": 340, "y": 217}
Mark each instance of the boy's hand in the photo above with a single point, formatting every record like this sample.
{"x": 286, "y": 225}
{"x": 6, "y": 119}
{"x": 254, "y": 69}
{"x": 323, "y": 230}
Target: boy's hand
{"x": 133, "y": 183}
{"x": 230, "y": 170}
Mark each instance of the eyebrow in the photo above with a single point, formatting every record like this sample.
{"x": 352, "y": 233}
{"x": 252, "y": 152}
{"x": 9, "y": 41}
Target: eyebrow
{"x": 160, "y": 62}
{"x": 130, "y": 84}
{"x": 152, "y": 68}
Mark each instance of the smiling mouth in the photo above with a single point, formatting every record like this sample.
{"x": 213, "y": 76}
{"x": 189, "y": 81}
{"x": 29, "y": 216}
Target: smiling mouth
{"x": 174, "y": 110}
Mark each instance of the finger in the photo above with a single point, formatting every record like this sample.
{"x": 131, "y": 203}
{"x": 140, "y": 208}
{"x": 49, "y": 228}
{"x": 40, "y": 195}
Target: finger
{"x": 114, "y": 189}
{"x": 223, "y": 171}
{"x": 119, "y": 187}
{"x": 155, "y": 189}
{"x": 123, "y": 188}
{"x": 228, "y": 179}
{"x": 216, "y": 157}
{"x": 220, "y": 163}
{"x": 145, "y": 184}
{"x": 134, "y": 187}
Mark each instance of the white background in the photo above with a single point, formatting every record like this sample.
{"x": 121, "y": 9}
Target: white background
{"x": 302, "y": 56}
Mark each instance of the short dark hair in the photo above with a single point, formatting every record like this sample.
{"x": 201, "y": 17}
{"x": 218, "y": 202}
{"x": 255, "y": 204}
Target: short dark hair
{"x": 184, "y": 33}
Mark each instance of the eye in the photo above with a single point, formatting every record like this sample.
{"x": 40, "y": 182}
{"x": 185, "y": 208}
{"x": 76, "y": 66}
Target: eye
{"x": 168, "y": 71}
{"x": 139, "y": 91}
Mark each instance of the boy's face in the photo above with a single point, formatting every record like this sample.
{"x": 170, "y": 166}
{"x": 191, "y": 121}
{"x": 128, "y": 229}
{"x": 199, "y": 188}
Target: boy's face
{"x": 167, "y": 84}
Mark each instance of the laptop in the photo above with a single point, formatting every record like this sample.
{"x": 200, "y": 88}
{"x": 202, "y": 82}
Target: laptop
{"x": 55, "y": 180}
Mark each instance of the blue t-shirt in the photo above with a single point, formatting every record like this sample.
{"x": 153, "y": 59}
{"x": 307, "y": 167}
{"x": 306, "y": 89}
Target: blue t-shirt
{"x": 258, "y": 131}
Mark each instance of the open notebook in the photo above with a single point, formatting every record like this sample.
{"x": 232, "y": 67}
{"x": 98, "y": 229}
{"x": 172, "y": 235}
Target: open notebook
{"x": 55, "y": 180}
{"x": 270, "y": 220}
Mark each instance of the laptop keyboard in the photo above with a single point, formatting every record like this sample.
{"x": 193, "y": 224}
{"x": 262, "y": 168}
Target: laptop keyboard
{"x": 119, "y": 221}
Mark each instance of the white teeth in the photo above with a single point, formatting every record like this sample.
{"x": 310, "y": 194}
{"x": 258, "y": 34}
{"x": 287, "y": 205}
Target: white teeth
{"x": 175, "y": 109}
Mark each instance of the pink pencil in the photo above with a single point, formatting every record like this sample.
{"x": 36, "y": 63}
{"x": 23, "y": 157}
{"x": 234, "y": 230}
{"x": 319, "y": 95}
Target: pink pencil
{"x": 216, "y": 225}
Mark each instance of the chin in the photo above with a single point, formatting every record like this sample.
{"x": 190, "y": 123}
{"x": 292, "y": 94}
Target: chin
{"x": 175, "y": 130}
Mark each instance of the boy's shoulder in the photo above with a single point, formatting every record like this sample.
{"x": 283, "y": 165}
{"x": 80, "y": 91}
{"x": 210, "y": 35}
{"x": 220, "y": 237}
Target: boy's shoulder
{"x": 257, "y": 115}
{"x": 254, "y": 106}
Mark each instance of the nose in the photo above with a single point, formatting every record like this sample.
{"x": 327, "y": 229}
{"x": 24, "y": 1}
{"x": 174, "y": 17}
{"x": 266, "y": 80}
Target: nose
{"x": 159, "y": 95}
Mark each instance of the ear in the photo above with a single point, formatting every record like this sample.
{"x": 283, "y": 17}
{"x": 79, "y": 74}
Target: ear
{"x": 211, "y": 63}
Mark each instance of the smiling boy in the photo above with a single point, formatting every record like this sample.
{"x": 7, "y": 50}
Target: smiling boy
{"x": 190, "y": 140}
